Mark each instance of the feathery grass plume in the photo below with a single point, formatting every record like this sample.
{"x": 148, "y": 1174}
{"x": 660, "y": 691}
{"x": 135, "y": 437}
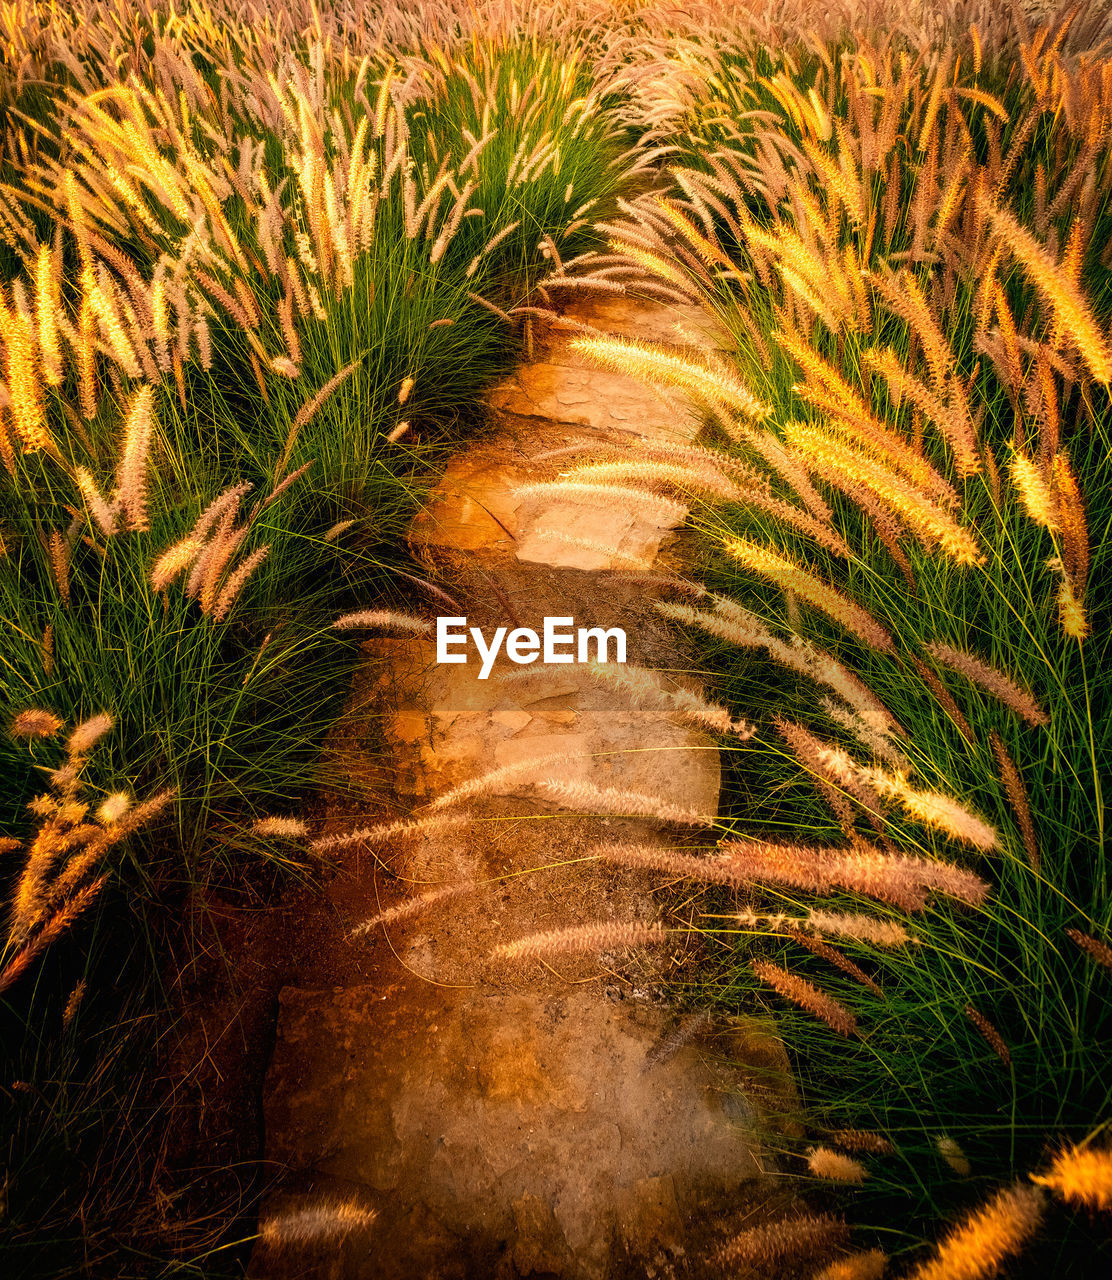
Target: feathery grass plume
{"x": 235, "y": 581}
{"x": 1017, "y": 794}
{"x": 919, "y": 511}
{"x": 954, "y": 1156}
{"x": 47, "y": 301}
{"x": 862, "y": 1140}
{"x": 1099, "y": 951}
{"x": 933, "y": 809}
{"x": 992, "y": 681}
{"x": 50, "y": 932}
{"x": 1071, "y": 519}
{"x": 980, "y": 1245}
{"x": 341, "y": 526}
{"x": 104, "y": 514}
{"x": 1071, "y": 610}
{"x": 684, "y": 477}
{"x": 799, "y": 991}
{"x": 859, "y": 927}
{"x": 789, "y": 576}
{"x": 587, "y": 798}
{"x": 488, "y": 784}
{"x": 671, "y": 862}
{"x": 824, "y": 1163}
{"x": 385, "y": 831}
{"x": 667, "y": 513}
{"x": 944, "y": 699}
{"x": 326, "y": 1222}
{"x": 1080, "y": 1176}
{"x": 948, "y": 411}
{"x": 412, "y": 907}
{"x": 663, "y": 368}
{"x": 869, "y": 1265}
{"x": 112, "y": 808}
{"x": 604, "y": 935}
{"x": 173, "y": 561}
{"x": 25, "y": 398}
{"x": 59, "y": 565}
{"x": 35, "y": 722}
{"x": 131, "y": 474}
{"x": 786, "y": 1238}
{"x": 605, "y": 549}
{"x": 310, "y": 409}
{"x": 1072, "y": 311}
{"x": 669, "y": 1043}
{"x": 1038, "y": 501}
{"x": 993, "y": 1037}
{"x": 383, "y": 620}
{"x": 283, "y": 828}
{"x": 73, "y": 1002}
{"x": 834, "y": 957}
{"x": 737, "y": 626}
{"x": 643, "y": 685}
{"x": 807, "y": 749}
{"x": 88, "y": 733}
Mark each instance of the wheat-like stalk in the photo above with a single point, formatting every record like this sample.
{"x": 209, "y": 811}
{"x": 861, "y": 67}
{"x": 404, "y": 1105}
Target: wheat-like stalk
{"x": 1017, "y": 794}
{"x": 870, "y": 1265}
{"x": 386, "y": 831}
{"x": 805, "y": 994}
{"x": 643, "y": 686}
{"x": 1034, "y": 491}
{"x": 987, "y": 1238}
{"x": 1099, "y": 951}
{"x": 664, "y": 368}
{"x": 789, "y": 576}
{"x": 832, "y": 1165}
{"x": 281, "y": 827}
{"x": 859, "y": 927}
{"x": 773, "y": 1242}
{"x": 1071, "y": 309}
{"x": 1080, "y": 1176}
{"x": 411, "y": 907}
{"x": 131, "y": 475}
{"x": 834, "y": 957}
{"x": 587, "y": 798}
{"x": 992, "y": 681}
{"x": 326, "y": 1222}
{"x": 993, "y": 1037}
{"x": 671, "y": 862}
{"x": 664, "y": 511}
{"x": 382, "y": 620}
{"x": 601, "y": 936}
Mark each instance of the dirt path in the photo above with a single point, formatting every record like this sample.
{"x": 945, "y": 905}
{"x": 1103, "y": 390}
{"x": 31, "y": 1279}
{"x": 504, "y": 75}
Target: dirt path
{"x": 502, "y": 1118}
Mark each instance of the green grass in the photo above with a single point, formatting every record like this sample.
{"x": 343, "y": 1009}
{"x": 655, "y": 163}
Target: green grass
{"x": 920, "y": 1069}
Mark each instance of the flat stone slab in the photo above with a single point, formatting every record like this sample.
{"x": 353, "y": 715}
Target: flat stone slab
{"x": 522, "y": 1126}
{"x": 670, "y": 324}
{"x": 596, "y": 398}
{"x": 473, "y": 506}
{"x": 585, "y": 533}
{"x": 457, "y": 726}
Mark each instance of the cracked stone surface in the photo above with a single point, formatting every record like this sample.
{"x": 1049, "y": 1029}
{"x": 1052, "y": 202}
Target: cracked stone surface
{"x": 501, "y": 1117}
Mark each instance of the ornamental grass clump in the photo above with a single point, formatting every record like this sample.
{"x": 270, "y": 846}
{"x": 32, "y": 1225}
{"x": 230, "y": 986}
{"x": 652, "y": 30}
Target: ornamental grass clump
{"x": 905, "y": 263}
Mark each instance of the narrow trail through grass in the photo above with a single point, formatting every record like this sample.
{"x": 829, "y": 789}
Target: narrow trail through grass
{"x": 519, "y": 1116}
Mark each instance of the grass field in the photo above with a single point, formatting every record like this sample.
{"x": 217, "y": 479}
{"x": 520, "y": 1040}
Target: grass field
{"x": 256, "y": 270}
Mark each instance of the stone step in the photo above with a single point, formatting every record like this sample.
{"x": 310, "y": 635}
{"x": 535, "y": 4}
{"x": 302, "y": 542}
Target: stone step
{"x": 525, "y": 1131}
